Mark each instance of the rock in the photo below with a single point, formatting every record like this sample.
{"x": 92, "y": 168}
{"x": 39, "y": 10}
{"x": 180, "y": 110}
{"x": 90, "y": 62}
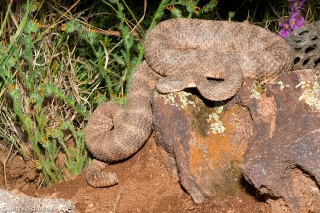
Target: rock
{"x": 204, "y": 141}
{"x": 283, "y": 158}
{"x": 13, "y": 202}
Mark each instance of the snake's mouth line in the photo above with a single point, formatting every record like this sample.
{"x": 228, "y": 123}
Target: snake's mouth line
{"x": 214, "y": 80}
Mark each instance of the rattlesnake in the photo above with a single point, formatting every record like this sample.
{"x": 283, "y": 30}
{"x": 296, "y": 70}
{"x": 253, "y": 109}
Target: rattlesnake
{"x": 187, "y": 51}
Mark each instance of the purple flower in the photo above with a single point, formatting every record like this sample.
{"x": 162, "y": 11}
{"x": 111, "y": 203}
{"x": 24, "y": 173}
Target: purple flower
{"x": 296, "y": 5}
{"x": 281, "y": 22}
{"x": 285, "y": 31}
{"x": 296, "y": 21}
{"x": 300, "y": 4}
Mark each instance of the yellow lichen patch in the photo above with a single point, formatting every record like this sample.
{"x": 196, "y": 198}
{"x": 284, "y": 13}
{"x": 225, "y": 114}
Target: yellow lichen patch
{"x": 256, "y": 90}
{"x": 216, "y": 126}
{"x": 310, "y": 93}
{"x": 282, "y": 86}
{"x": 186, "y": 99}
{"x": 206, "y": 120}
{"x": 168, "y": 98}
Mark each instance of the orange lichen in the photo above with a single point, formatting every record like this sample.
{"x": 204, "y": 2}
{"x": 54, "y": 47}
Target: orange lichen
{"x": 216, "y": 157}
{"x": 237, "y": 150}
{"x": 216, "y": 150}
{"x": 209, "y": 149}
{"x": 196, "y": 156}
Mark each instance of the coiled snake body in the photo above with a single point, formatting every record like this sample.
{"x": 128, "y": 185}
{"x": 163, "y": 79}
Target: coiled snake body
{"x": 187, "y": 52}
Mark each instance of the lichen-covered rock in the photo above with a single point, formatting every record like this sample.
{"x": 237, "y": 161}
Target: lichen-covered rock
{"x": 204, "y": 140}
{"x": 283, "y": 159}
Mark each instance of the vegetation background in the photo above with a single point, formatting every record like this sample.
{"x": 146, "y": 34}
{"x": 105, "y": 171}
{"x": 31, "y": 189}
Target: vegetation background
{"x": 60, "y": 59}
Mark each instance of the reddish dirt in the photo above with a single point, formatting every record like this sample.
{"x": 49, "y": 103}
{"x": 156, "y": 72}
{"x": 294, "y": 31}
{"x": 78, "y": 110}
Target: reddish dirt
{"x": 145, "y": 186}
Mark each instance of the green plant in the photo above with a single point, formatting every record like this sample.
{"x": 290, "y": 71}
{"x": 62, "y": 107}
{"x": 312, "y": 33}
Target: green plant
{"x": 42, "y": 104}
